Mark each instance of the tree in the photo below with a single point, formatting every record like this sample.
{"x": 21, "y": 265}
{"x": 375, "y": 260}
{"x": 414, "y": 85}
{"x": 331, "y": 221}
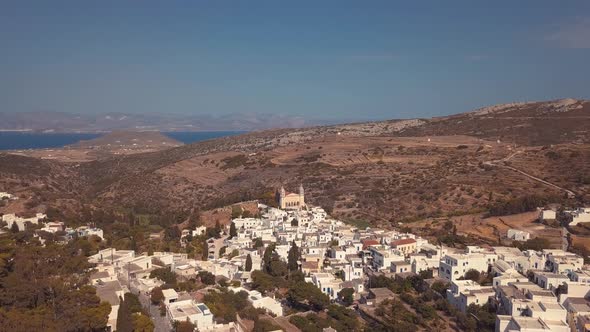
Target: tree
{"x": 124, "y": 317}
{"x": 472, "y": 275}
{"x": 14, "y": 228}
{"x": 232, "y": 230}
{"x": 217, "y": 229}
{"x": 205, "y": 250}
{"x": 207, "y": 278}
{"x": 157, "y": 296}
{"x": 258, "y": 243}
{"x": 236, "y": 211}
{"x": 132, "y": 302}
{"x": 185, "y": 326}
{"x": 304, "y": 294}
{"x": 225, "y": 304}
{"x": 277, "y": 267}
{"x": 293, "y": 257}
{"x": 266, "y": 258}
{"x": 248, "y": 266}
{"x": 172, "y": 233}
{"x": 345, "y": 296}
{"x": 263, "y": 325}
{"x": 440, "y": 287}
{"x": 263, "y": 282}
{"x": 165, "y": 275}
{"x": 142, "y": 323}
{"x": 44, "y": 287}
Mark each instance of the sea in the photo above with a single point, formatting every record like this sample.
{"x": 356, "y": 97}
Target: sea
{"x": 13, "y": 140}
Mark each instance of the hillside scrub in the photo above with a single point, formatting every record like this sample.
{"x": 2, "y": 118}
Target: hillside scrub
{"x": 519, "y": 205}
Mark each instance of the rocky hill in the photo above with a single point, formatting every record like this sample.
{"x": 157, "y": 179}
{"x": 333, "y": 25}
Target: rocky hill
{"x": 129, "y": 140}
{"x": 533, "y": 123}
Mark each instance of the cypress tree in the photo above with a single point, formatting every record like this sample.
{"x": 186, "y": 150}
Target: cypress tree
{"x": 232, "y": 230}
{"x": 293, "y": 257}
{"x": 248, "y": 266}
{"x": 124, "y": 317}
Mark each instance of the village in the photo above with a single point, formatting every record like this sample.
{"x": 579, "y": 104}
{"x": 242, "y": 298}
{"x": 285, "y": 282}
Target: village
{"x": 529, "y": 290}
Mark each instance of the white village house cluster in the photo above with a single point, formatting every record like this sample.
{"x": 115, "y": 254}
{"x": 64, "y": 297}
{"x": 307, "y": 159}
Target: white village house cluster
{"x": 546, "y": 290}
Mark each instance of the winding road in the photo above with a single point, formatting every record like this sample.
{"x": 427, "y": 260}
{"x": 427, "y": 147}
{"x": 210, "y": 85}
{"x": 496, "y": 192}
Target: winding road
{"x": 499, "y": 163}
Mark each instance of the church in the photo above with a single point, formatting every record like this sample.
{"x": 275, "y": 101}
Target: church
{"x": 291, "y": 200}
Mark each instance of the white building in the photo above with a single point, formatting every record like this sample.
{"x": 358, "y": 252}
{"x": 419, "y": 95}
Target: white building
{"x": 549, "y": 280}
{"x": 547, "y": 214}
{"x": 5, "y": 195}
{"x": 479, "y": 296}
{"x": 518, "y": 235}
{"x": 401, "y": 267}
{"x": 11, "y": 219}
{"x": 454, "y": 266}
{"x": 264, "y": 302}
{"x": 382, "y": 258}
{"x": 247, "y": 223}
{"x": 197, "y": 313}
{"x": 89, "y": 231}
{"x": 170, "y": 296}
{"x": 422, "y": 262}
{"x": 327, "y": 283}
{"x": 580, "y": 215}
{"x": 528, "y": 324}
{"x": 458, "y": 288}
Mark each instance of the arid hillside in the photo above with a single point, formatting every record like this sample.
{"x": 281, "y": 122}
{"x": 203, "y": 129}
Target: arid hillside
{"x": 381, "y": 172}
{"x": 534, "y": 123}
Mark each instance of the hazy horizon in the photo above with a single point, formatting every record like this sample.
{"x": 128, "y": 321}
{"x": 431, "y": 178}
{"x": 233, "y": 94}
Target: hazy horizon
{"x": 332, "y": 61}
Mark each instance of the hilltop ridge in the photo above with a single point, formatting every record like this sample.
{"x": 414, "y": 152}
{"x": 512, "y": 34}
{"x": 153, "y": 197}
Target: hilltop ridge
{"x": 382, "y": 172}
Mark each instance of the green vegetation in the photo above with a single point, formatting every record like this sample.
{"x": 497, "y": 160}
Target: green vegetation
{"x": 206, "y": 277}
{"x": 396, "y": 317}
{"x": 424, "y": 301}
{"x": 293, "y": 257}
{"x": 358, "y": 223}
{"x": 536, "y": 244}
{"x": 263, "y": 325}
{"x": 225, "y": 304}
{"x": 166, "y": 275}
{"x": 448, "y": 235}
{"x": 185, "y": 326}
{"x": 346, "y": 296}
{"x": 44, "y": 288}
{"x": 305, "y": 296}
{"x": 131, "y": 316}
{"x": 519, "y": 205}
{"x": 156, "y": 295}
{"x": 264, "y": 282}
{"x": 258, "y": 243}
{"x": 234, "y": 162}
{"x": 248, "y": 264}
{"x": 338, "y": 317}
{"x": 232, "y": 230}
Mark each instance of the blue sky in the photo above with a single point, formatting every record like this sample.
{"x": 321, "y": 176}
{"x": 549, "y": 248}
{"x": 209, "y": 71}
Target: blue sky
{"x": 317, "y": 59}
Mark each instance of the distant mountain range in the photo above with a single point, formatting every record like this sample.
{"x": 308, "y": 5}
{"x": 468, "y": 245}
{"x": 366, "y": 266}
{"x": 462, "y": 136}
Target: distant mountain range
{"x": 69, "y": 122}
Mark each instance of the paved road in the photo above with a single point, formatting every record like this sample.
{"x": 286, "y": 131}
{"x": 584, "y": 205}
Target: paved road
{"x": 161, "y": 323}
{"x": 219, "y": 243}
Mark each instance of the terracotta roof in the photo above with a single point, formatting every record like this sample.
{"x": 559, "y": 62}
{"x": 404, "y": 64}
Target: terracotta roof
{"x": 309, "y": 265}
{"x": 402, "y": 242}
{"x": 369, "y": 242}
